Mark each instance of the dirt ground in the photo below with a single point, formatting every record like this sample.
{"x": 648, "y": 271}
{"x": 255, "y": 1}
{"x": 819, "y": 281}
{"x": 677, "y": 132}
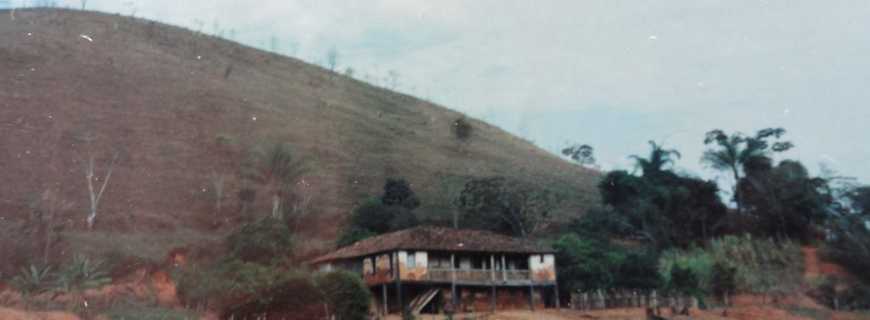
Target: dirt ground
{"x": 748, "y": 312}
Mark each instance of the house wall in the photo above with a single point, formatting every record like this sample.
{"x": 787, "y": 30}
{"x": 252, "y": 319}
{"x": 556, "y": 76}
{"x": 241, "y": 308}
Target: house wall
{"x": 420, "y": 268}
{"x": 379, "y": 271}
{"x": 542, "y": 267}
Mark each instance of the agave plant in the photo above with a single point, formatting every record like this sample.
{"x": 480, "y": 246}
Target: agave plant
{"x": 32, "y": 280}
{"x": 82, "y": 274}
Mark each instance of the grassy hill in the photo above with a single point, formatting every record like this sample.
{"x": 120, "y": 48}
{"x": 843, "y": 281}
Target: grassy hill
{"x": 178, "y": 107}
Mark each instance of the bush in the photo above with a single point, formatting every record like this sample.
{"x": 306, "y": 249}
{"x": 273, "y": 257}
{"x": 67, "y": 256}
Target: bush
{"x": 693, "y": 268}
{"x": 346, "y": 295}
{"x": 82, "y": 274}
{"x": 591, "y": 264}
{"x": 32, "y": 280}
{"x": 461, "y": 129}
{"x": 724, "y": 279}
{"x": 228, "y": 281}
{"x": 267, "y": 240}
{"x": 763, "y": 265}
{"x": 760, "y": 266}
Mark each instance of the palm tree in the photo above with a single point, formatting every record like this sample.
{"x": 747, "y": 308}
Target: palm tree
{"x": 733, "y": 152}
{"x": 659, "y": 157}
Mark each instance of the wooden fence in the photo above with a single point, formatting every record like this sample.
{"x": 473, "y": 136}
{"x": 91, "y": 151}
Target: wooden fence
{"x": 596, "y": 300}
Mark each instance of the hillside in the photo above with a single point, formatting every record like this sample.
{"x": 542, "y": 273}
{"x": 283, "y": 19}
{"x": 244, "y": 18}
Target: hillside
{"x": 178, "y": 107}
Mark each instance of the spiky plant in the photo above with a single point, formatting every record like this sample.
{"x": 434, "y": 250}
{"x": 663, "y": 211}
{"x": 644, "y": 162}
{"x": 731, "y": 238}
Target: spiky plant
{"x": 32, "y": 280}
{"x": 81, "y": 274}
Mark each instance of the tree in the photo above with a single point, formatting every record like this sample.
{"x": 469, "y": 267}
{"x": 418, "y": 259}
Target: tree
{"x": 784, "y": 200}
{"x": 397, "y": 192}
{"x": 658, "y": 158}
{"x": 332, "y": 58}
{"x": 276, "y": 170}
{"x": 217, "y": 182}
{"x": 96, "y": 195}
{"x": 394, "y": 210}
{"x": 660, "y": 206}
{"x": 265, "y": 241}
{"x": 732, "y": 152}
{"x": 48, "y": 225}
{"x": 84, "y": 4}
{"x": 582, "y": 154}
{"x": 505, "y": 205}
{"x": 345, "y": 294}
{"x": 461, "y": 129}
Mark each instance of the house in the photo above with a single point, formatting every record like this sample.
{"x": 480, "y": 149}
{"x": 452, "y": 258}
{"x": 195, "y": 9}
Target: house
{"x": 428, "y": 269}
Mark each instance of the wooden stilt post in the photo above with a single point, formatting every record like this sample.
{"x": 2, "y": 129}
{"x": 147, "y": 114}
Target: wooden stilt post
{"x": 492, "y": 279}
{"x": 453, "y": 298}
{"x": 398, "y": 273}
{"x": 531, "y": 297}
{"x": 384, "y": 296}
{"x": 556, "y": 290}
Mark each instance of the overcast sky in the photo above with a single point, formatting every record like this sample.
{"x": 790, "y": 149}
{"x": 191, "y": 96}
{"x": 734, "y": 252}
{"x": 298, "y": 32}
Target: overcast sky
{"x": 610, "y": 73}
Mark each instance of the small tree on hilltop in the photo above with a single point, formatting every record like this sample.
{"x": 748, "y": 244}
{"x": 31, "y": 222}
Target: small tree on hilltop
{"x": 461, "y": 129}
{"x": 582, "y": 154}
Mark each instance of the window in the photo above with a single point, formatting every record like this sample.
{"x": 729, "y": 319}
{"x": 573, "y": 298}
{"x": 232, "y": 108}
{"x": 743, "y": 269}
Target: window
{"x": 412, "y": 260}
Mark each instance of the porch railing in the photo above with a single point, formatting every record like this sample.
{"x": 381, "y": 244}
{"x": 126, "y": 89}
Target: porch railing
{"x": 478, "y": 275}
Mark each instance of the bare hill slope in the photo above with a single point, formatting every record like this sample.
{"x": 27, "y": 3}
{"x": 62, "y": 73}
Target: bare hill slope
{"x": 178, "y": 106}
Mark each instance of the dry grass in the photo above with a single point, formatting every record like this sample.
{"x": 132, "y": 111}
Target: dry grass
{"x": 157, "y": 94}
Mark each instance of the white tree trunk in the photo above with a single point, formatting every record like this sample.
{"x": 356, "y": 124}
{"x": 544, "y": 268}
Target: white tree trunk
{"x": 94, "y": 195}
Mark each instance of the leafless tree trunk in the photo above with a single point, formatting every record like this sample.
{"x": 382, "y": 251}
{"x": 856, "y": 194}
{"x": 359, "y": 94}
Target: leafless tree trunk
{"x": 47, "y": 209}
{"x": 217, "y": 181}
{"x": 276, "y": 206}
{"x": 96, "y": 196}
{"x": 300, "y": 209}
{"x": 84, "y": 4}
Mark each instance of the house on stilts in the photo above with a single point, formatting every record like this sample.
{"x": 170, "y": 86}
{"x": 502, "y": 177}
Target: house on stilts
{"x": 433, "y": 269}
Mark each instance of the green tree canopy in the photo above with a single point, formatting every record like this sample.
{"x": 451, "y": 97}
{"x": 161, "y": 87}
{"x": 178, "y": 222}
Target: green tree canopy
{"x": 505, "y": 205}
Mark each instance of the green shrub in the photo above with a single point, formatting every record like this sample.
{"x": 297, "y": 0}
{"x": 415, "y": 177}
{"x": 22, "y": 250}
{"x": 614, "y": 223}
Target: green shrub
{"x": 590, "y": 264}
{"x": 346, "y": 295}
{"x": 227, "y": 280}
{"x": 684, "y": 281}
{"x": 724, "y": 279}
{"x": 267, "y": 240}
{"x": 81, "y": 274}
{"x": 760, "y": 266}
{"x": 33, "y": 280}
{"x": 695, "y": 261}
{"x": 763, "y": 265}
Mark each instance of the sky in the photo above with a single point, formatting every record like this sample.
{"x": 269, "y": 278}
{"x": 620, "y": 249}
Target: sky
{"x": 610, "y": 73}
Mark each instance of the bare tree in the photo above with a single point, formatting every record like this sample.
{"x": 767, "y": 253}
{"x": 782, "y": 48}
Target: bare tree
{"x": 97, "y": 195}
{"x": 302, "y": 204}
{"x": 84, "y": 4}
{"x": 332, "y": 58}
{"x": 45, "y": 211}
{"x": 393, "y": 79}
{"x": 217, "y": 183}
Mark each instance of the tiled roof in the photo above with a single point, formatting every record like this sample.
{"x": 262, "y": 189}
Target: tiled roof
{"x": 436, "y": 239}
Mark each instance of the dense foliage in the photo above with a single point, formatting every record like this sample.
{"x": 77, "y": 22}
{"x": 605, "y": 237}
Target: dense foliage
{"x": 660, "y": 206}
{"x": 505, "y": 205}
{"x": 263, "y": 241}
{"x": 345, "y": 294}
{"x": 393, "y": 210}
